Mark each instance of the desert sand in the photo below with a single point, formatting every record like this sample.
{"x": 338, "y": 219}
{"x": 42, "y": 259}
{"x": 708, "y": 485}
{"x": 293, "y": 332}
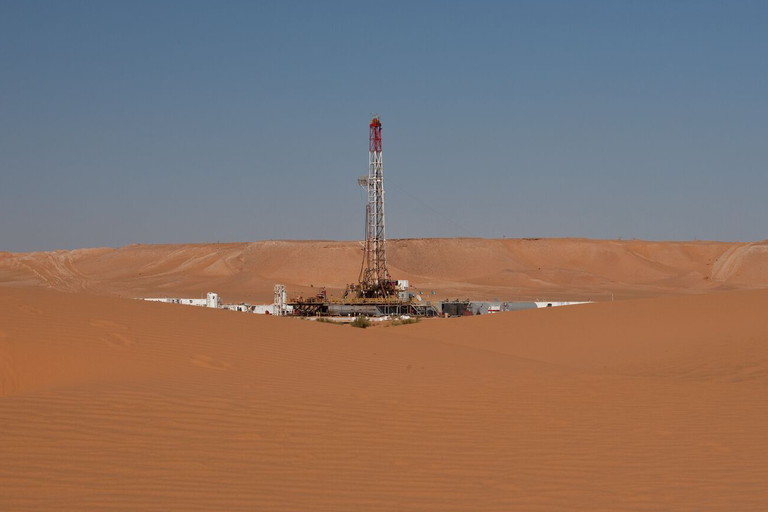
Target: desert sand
{"x": 511, "y": 269}
{"x": 657, "y": 402}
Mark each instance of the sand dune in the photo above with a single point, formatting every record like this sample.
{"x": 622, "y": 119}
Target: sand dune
{"x": 115, "y": 404}
{"x": 551, "y": 269}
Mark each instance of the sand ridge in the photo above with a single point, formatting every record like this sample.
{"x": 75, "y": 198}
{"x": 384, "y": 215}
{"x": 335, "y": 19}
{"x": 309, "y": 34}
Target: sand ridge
{"x": 508, "y": 269}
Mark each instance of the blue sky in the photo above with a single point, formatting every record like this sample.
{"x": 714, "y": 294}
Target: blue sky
{"x": 190, "y": 121}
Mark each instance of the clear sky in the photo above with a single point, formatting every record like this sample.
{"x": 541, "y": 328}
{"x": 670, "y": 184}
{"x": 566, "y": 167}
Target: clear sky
{"x": 204, "y": 121}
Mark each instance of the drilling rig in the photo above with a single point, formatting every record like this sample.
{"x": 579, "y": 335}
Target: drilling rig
{"x": 375, "y": 293}
{"x": 374, "y": 280}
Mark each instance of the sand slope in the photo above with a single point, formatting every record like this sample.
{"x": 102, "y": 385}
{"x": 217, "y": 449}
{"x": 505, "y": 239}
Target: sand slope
{"x": 549, "y": 269}
{"x": 114, "y": 404}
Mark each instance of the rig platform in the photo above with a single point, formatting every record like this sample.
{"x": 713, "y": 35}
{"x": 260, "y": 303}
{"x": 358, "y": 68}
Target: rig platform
{"x": 322, "y": 305}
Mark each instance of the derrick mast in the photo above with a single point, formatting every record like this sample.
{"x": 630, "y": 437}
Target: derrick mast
{"x": 374, "y": 278}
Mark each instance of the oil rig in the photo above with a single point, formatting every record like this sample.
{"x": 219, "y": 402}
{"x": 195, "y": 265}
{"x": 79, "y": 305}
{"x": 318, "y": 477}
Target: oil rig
{"x": 375, "y": 293}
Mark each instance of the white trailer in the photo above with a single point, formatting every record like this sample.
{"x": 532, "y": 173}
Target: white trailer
{"x": 211, "y": 300}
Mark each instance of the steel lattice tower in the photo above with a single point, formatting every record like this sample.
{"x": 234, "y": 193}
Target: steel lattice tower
{"x": 374, "y": 277}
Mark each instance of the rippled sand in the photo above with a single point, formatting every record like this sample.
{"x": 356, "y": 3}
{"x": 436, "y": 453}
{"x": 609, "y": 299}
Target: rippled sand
{"x": 114, "y": 404}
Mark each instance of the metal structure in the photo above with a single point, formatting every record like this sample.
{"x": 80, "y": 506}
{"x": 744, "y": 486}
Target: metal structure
{"x": 374, "y": 280}
{"x": 376, "y": 293}
{"x": 280, "y": 300}
{"x": 329, "y": 306}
